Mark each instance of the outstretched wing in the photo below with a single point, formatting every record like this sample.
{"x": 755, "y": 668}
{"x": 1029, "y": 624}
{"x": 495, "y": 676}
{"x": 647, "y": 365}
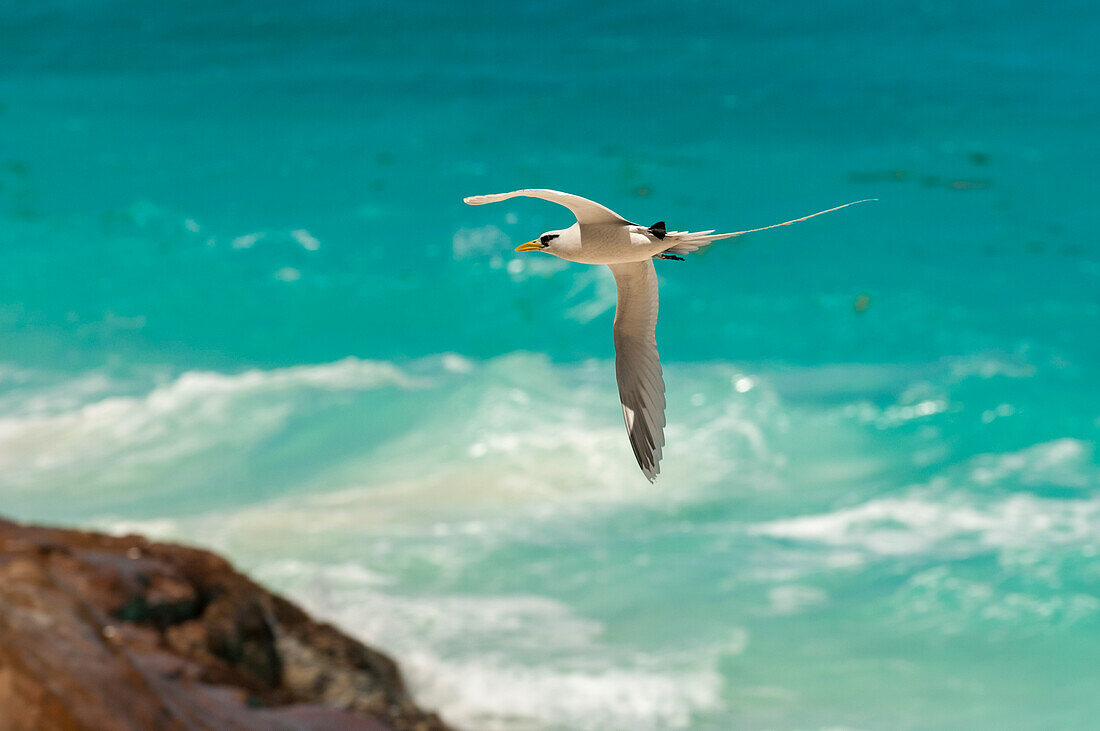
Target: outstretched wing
{"x": 585, "y": 210}
{"x": 637, "y": 367}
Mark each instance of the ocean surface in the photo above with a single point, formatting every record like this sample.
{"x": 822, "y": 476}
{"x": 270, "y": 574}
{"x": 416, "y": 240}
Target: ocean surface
{"x": 243, "y": 306}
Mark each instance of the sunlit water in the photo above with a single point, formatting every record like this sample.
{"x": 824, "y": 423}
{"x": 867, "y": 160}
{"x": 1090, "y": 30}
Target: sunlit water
{"x": 242, "y": 305}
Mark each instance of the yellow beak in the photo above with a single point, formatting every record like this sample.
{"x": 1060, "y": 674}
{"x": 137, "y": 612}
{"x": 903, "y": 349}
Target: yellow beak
{"x": 530, "y": 246}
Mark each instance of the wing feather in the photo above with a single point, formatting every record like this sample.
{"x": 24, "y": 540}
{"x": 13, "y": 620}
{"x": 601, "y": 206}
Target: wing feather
{"x": 637, "y": 366}
{"x": 585, "y": 210}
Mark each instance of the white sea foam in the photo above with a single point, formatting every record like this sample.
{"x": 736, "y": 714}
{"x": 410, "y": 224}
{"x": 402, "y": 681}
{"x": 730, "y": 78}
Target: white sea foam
{"x": 885, "y": 526}
{"x": 1062, "y": 462}
{"x": 942, "y": 600}
{"x": 37, "y": 393}
{"x": 307, "y": 240}
{"x": 949, "y": 517}
{"x": 80, "y": 427}
{"x": 247, "y": 241}
{"x": 495, "y": 662}
{"x": 522, "y": 269}
{"x": 456, "y": 363}
{"x": 989, "y": 366}
{"x": 917, "y": 524}
{"x": 519, "y": 433}
{"x": 795, "y": 598}
{"x": 525, "y": 457}
{"x": 523, "y": 432}
{"x": 517, "y": 450}
{"x": 479, "y": 241}
{"x": 511, "y": 663}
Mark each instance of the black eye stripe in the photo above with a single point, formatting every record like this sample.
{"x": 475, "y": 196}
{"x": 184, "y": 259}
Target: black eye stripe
{"x": 547, "y": 238}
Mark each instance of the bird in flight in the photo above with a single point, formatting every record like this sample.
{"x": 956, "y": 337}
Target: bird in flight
{"x": 601, "y": 236}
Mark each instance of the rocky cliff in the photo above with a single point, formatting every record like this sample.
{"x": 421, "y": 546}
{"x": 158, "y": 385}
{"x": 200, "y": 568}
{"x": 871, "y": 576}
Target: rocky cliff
{"x": 104, "y": 633}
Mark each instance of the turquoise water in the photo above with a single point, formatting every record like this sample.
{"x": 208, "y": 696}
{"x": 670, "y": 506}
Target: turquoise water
{"x": 242, "y": 305}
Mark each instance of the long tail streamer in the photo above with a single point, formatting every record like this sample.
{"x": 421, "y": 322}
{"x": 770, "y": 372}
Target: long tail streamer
{"x": 797, "y": 220}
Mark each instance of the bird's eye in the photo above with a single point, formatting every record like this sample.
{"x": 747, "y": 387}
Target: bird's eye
{"x": 547, "y": 238}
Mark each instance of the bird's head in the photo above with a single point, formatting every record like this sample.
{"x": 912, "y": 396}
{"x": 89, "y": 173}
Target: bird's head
{"x": 564, "y": 243}
{"x": 548, "y": 242}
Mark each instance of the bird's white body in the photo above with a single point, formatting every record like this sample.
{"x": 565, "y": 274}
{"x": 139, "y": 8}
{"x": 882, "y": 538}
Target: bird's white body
{"x": 601, "y": 236}
{"x": 607, "y": 243}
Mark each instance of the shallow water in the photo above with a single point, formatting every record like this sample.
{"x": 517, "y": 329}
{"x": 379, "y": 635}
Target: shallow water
{"x": 243, "y": 305}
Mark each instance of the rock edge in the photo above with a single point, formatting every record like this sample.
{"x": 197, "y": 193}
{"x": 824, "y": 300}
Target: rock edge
{"x": 102, "y": 632}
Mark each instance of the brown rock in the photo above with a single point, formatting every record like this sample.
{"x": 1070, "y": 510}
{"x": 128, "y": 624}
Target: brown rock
{"x": 98, "y": 632}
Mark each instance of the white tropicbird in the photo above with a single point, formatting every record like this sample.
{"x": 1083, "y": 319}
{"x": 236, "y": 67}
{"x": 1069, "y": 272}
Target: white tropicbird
{"x": 601, "y": 236}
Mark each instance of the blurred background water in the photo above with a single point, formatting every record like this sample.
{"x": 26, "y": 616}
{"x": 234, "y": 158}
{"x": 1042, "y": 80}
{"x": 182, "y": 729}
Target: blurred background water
{"x": 243, "y": 305}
